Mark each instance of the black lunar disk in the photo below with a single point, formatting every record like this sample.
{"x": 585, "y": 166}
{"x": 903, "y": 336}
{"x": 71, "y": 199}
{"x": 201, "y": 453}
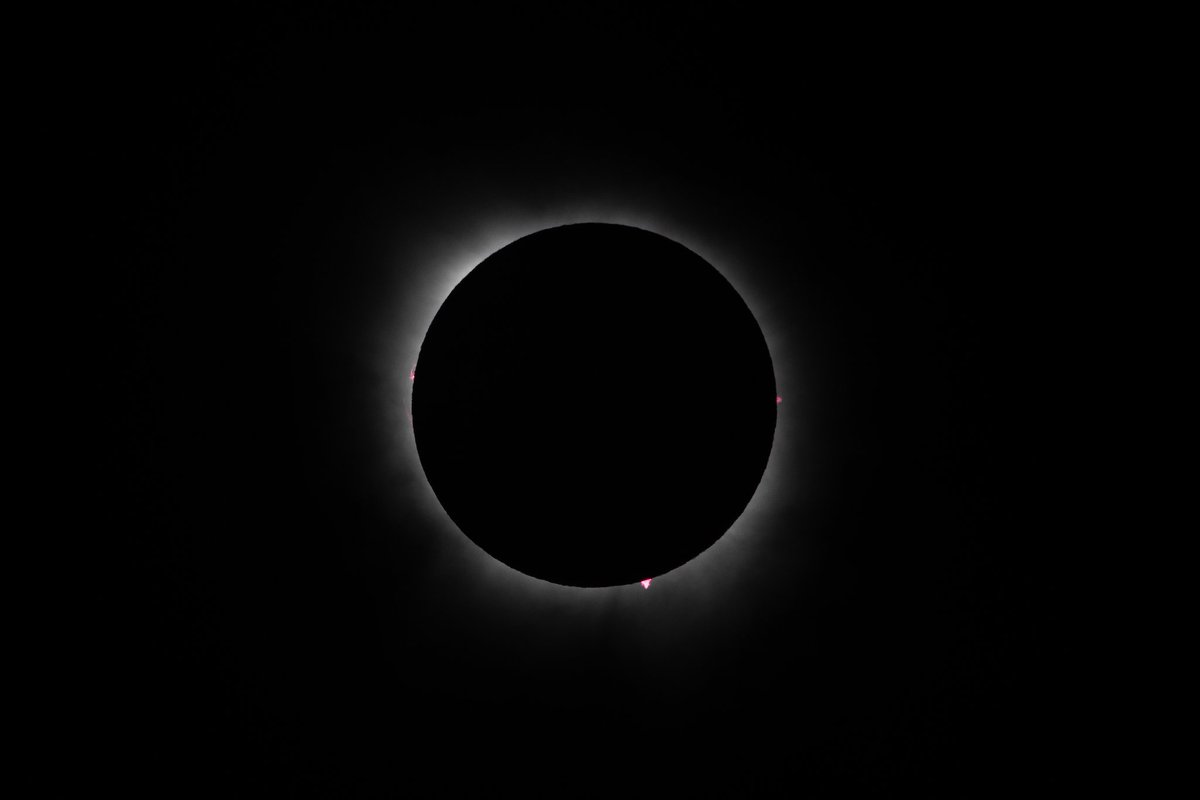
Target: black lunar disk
{"x": 594, "y": 405}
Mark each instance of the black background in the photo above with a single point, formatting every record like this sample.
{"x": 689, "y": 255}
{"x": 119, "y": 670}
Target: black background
{"x": 266, "y": 633}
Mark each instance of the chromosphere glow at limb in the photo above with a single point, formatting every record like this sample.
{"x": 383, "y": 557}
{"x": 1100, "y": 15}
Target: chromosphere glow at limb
{"x": 646, "y": 583}
{"x": 449, "y": 264}
{"x": 698, "y": 471}
{"x": 778, "y": 399}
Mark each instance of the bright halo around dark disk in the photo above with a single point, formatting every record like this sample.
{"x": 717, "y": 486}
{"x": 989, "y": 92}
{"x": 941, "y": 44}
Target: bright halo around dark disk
{"x": 594, "y": 405}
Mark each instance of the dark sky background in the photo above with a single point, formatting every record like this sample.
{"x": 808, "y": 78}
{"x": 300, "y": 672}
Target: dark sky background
{"x": 278, "y": 625}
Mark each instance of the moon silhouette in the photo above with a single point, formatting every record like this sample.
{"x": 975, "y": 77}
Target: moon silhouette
{"x": 594, "y": 405}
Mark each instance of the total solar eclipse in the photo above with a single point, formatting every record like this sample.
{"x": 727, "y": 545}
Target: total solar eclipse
{"x": 594, "y": 405}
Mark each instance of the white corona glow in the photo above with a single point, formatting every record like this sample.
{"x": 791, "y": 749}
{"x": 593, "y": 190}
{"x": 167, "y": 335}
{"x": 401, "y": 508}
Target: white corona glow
{"x": 431, "y": 265}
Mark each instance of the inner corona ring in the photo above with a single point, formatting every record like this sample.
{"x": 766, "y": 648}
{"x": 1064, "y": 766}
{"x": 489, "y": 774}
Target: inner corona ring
{"x": 594, "y": 405}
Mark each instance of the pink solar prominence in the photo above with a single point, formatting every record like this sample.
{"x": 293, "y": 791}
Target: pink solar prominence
{"x": 646, "y": 583}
